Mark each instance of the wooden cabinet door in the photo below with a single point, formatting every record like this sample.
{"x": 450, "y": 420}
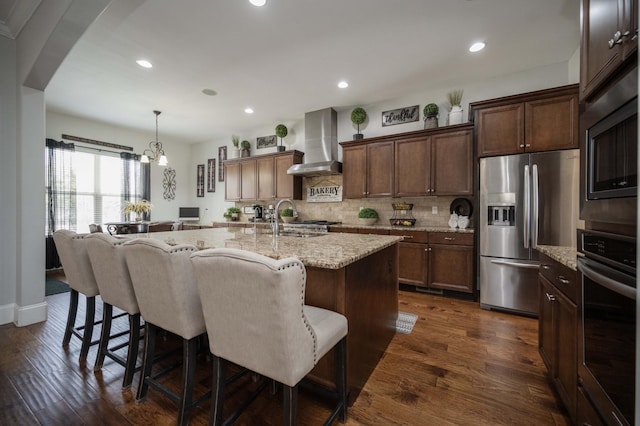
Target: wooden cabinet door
{"x": 412, "y": 264}
{"x": 380, "y": 169}
{"x": 232, "y": 182}
{"x": 266, "y": 178}
{"x": 551, "y": 124}
{"x": 500, "y": 130}
{"x": 545, "y": 323}
{"x": 354, "y": 168}
{"x": 248, "y": 180}
{"x": 287, "y": 186}
{"x": 452, "y": 163}
{"x": 630, "y": 43}
{"x": 450, "y": 267}
{"x": 412, "y": 167}
{"x": 601, "y": 19}
{"x": 566, "y": 350}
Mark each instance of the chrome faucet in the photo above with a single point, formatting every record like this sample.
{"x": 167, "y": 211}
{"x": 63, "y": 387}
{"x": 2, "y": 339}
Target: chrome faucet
{"x": 274, "y": 224}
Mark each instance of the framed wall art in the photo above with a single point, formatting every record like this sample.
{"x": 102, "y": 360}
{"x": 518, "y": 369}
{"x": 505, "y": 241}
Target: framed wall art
{"x": 222, "y": 156}
{"x": 200, "y": 181}
{"x": 266, "y": 141}
{"x": 211, "y": 175}
{"x": 400, "y": 116}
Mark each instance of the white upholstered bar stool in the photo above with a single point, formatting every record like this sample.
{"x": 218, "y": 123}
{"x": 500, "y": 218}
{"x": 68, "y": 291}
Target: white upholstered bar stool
{"x": 165, "y": 288}
{"x": 112, "y": 276}
{"x": 256, "y": 318}
{"x": 72, "y": 249}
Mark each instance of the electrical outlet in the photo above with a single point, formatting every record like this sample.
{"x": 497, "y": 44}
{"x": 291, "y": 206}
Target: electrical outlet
{"x": 434, "y": 209}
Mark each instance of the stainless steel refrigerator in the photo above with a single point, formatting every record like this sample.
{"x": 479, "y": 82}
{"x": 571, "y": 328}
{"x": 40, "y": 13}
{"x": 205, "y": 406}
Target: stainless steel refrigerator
{"x": 525, "y": 200}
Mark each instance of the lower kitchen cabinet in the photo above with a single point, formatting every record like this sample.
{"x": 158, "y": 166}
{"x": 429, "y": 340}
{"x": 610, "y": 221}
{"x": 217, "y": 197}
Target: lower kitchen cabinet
{"x": 586, "y": 414}
{"x": 412, "y": 265}
{"x": 558, "y": 329}
{"x": 450, "y": 267}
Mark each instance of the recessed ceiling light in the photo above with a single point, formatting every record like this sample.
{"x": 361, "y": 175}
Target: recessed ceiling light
{"x": 209, "y": 92}
{"x": 476, "y": 47}
{"x": 144, "y": 63}
{"x": 343, "y": 85}
{"x": 248, "y": 110}
{"x": 258, "y": 2}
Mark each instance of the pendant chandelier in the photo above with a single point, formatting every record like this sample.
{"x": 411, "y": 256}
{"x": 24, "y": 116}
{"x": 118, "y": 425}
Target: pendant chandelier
{"x": 154, "y": 152}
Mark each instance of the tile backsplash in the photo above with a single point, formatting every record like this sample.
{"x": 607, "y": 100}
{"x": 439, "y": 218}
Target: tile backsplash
{"x": 346, "y": 211}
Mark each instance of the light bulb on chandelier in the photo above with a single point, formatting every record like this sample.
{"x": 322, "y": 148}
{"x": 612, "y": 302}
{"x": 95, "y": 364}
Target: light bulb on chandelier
{"x": 155, "y": 151}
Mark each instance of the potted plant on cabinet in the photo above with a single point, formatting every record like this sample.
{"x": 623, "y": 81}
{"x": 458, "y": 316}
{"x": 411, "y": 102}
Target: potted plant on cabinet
{"x": 235, "y": 152}
{"x": 367, "y": 216}
{"x": 431, "y": 116}
{"x": 281, "y": 132}
{"x": 455, "y": 100}
{"x": 358, "y": 116}
{"x": 232, "y": 214}
{"x": 246, "y": 149}
{"x": 287, "y": 215}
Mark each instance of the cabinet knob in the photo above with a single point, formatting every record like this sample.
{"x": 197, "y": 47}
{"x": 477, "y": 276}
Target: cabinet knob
{"x": 449, "y": 238}
{"x": 521, "y": 145}
{"x": 528, "y": 145}
{"x": 408, "y": 237}
{"x": 550, "y": 297}
{"x": 563, "y": 280}
{"x": 546, "y": 267}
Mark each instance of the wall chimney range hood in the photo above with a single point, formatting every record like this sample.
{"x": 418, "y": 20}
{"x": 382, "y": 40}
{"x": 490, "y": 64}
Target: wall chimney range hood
{"x": 320, "y": 145}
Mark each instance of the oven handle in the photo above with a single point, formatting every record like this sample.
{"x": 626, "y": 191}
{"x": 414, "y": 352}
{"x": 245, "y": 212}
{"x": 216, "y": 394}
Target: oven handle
{"x": 605, "y": 281}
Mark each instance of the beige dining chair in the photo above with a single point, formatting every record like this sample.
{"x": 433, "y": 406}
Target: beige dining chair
{"x": 112, "y": 276}
{"x": 72, "y": 250}
{"x": 256, "y": 318}
{"x": 165, "y": 288}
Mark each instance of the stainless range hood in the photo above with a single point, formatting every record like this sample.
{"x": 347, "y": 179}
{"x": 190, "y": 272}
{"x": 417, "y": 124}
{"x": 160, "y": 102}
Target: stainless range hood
{"x": 320, "y": 145}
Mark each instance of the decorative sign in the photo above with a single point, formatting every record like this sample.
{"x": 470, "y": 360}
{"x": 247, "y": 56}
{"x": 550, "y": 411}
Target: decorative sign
{"x": 324, "y": 194}
{"x": 401, "y": 115}
{"x": 200, "y": 181}
{"x": 266, "y": 141}
{"x": 222, "y": 156}
{"x": 211, "y": 175}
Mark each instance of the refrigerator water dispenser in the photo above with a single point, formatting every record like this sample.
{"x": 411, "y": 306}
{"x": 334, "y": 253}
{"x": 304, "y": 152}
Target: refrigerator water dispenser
{"x": 501, "y": 209}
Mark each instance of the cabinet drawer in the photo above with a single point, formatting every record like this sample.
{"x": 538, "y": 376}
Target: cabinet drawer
{"x": 456, "y": 238}
{"x": 411, "y": 236}
{"x": 373, "y": 231}
{"x": 564, "y": 278}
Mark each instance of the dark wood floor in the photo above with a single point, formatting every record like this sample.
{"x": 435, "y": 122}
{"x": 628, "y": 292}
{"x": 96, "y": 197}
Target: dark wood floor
{"x": 461, "y": 365}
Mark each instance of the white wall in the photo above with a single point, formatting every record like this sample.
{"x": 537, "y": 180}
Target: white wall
{"x": 179, "y": 157}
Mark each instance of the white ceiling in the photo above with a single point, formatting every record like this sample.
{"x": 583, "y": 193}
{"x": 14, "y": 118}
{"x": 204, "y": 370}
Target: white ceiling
{"x": 285, "y": 58}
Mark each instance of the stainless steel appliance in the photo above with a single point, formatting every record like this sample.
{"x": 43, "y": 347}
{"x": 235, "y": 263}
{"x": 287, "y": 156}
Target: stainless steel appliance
{"x": 607, "y": 341}
{"x": 609, "y": 148}
{"x": 525, "y": 200}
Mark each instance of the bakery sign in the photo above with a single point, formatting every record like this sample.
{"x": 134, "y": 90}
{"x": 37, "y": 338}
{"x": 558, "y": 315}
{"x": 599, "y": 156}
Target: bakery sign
{"x": 324, "y": 194}
{"x": 401, "y": 115}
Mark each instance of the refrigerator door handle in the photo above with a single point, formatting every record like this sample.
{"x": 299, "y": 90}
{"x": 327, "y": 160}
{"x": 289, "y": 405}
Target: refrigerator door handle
{"x": 535, "y": 202}
{"x": 527, "y": 207}
{"x": 516, "y": 264}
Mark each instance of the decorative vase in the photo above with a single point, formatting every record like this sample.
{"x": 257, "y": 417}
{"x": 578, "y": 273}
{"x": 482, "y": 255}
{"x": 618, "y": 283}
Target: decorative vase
{"x": 287, "y": 219}
{"x": 367, "y": 221}
{"x": 281, "y": 148}
{"x": 455, "y": 116}
{"x": 431, "y": 122}
{"x": 234, "y": 153}
{"x": 245, "y": 153}
{"x": 358, "y": 136}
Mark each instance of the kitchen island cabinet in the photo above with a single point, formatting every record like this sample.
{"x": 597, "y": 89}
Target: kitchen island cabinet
{"x": 353, "y": 274}
{"x": 531, "y": 122}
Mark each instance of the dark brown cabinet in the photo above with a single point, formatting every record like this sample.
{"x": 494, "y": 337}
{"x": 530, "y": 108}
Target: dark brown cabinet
{"x": 532, "y": 122}
{"x": 413, "y": 164}
{"x": 413, "y": 252}
{"x": 558, "y": 329}
{"x": 450, "y": 265}
{"x": 609, "y": 40}
{"x": 263, "y": 177}
{"x": 369, "y": 170}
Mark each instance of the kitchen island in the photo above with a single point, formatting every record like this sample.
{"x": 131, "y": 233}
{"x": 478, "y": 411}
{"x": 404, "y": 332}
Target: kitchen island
{"x": 353, "y": 274}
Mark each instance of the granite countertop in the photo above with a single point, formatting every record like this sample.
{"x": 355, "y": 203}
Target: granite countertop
{"x": 407, "y": 228}
{"x": 329, "y": 251}
{"x": 567, "y": 256}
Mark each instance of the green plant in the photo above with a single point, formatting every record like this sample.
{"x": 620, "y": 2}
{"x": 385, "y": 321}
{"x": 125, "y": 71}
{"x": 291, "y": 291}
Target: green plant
{"x": 430, "y": 110}
{"x": 281, "y": 131}
{"x": 358, "y": 116}
{"x": 455, "y": 97}
{"x": 235, "y": 140}
{"x": 368, "y": 213}
{"x": 230, "y": 212}
{"x": 286, "y": 213}
{"x": 245, "y": 144}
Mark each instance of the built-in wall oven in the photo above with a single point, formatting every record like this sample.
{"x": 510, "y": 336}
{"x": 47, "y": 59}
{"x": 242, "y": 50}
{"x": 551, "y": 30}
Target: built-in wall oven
{"x": 609, "y": 150}
{"x": 607, "y": 341}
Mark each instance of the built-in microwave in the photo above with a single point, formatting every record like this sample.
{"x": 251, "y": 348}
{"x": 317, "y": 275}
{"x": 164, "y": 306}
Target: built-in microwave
{"x": 609, "y": 155}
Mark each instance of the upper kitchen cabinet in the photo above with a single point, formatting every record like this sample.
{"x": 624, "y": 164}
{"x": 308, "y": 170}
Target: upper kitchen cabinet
{"x": 609, "y": 41}
{"x": 263, "y": 177}
{"x": 413, "y": 164}
{"x": 367, "y": 170}
{"x": 532, "y": 122}
{"x": 439, "y": 164}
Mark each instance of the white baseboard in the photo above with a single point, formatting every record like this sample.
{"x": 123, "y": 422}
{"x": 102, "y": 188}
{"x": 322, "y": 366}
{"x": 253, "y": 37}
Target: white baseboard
{"x": 6, "y": 313}
{"x": 31, "y": 314}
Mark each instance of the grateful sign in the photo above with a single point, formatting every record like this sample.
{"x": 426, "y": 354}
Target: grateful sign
{"x": 401, "y": 115}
